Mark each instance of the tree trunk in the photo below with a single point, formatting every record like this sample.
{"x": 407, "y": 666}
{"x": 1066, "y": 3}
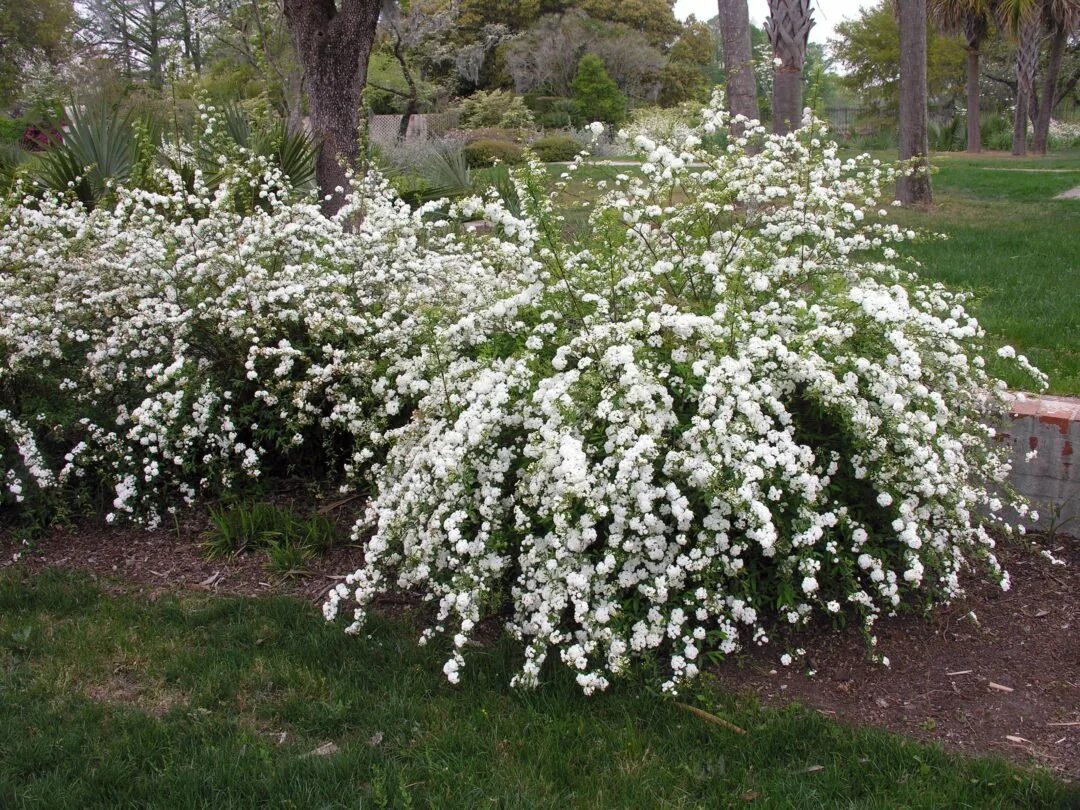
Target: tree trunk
{"x": 1049, "y": 94}
{"x": 974, "y": 135}
{"x": 334, "y": 45}
{"x": 412, "y": 106}
{"x": 913, "y": 187}
{"x": 738, "y": 61}
{"x": 788, "y": 28}
{"x": 1027, "y": 59}
{"x": 787, "y": 100}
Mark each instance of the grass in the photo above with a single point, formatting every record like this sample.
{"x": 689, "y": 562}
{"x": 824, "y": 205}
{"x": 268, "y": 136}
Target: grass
{"x": 113, "y": 699}
{"x": 1009, "y": 242}
{"x": 1017, "y": 249}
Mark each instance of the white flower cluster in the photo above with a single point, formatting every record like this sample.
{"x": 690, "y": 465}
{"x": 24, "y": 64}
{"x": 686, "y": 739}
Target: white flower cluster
{"x": 724, "y": 409}
{"x": 177, "y": 340}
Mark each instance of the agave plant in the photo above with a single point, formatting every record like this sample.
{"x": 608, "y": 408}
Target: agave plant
{"x": 98, "y": 149}
{"x": 438, "y": 171}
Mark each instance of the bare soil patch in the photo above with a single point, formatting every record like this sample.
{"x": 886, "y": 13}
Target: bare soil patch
{"x": 170, "y": 559}
{"x": 998, "y": 672}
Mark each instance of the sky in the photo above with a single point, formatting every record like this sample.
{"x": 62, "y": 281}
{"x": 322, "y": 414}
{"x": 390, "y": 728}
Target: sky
{"x": 826, "y": 15}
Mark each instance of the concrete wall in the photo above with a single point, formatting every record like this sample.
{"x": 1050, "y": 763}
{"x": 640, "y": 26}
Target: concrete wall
{"x": 1050, "y": 425}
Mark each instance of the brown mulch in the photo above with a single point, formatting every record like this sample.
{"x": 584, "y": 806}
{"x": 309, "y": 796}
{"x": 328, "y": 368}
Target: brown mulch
{"x": 997, "y": 673}
{"x": 169, "y": 559}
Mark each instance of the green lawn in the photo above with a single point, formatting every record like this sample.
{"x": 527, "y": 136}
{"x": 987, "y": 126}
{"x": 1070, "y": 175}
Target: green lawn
{"x": 1009, "y": 242}
{"x": 1017, "y": 249}
{"x": 115, "y": 700}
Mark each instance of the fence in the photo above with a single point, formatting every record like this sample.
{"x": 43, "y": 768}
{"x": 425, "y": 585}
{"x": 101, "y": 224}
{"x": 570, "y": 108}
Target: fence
{"x": 848, "y": 122}
{"x": 387, "y": 128}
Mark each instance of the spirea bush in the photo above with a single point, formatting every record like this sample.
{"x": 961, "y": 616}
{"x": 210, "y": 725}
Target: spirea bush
{"x": 727, "y": 407}
{"x": 182, "y": 341}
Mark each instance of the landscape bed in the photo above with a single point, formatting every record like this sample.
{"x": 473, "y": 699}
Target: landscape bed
{"x": 690, "y": 387}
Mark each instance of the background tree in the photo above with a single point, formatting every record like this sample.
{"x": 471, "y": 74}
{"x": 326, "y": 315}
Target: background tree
{"x": 688, "y": 73}
{"x": 971, "y": 19}
{"x": 868, "y": 47}
{"x": 29, "y": 31}
{"x": 1023, "y": 19}
{"x": 333, "y": 41}
{"x": 788, "y": 27}
{"x": 596, "y": 95}
{"x": 407, "y": 28}
{"x": 545, "y": 58}
{"x": 913, "y": 186}
{"x": 736, "y": 44}
{"x": 653, "y": 18}
{"x": 138, "y": 34}
{"x": 1062, "y": 19}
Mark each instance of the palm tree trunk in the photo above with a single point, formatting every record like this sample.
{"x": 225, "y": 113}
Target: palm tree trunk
{"x": 788, "y": 28}
{"x": 1049, "y": 94}
{"x": 787, "y": 100}
{"x": 738, "y": 61}
{"x": 1027, "y": 58}
{"x": 913, "y": 187}
{"x": 974, "y": 135}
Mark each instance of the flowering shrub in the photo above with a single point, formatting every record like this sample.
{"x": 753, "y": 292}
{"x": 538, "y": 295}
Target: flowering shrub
{"x": 181, "y": 340}
{"x": 730, "y": 407}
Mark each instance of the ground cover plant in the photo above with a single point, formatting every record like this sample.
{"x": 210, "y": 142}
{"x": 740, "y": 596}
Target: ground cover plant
{"x": 110, "y": 698}
{"x": 730, "y": 409}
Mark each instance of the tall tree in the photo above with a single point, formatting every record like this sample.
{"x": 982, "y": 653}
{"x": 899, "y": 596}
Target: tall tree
{"x": 137, "y": 33}
{"x": 738, "y": 60}
{"x": 1027, "y": 25}
{"x": 1062, "y": 18}
{"x": 28, "y": 31}
{"x": 788, "y": 28}
{"x": 409, "y": 29}
{"x": 333, "y": 40}
{"x": 914, "y": 185}
{"x": 970, "y": 19}
{"x": 869, "y": 49}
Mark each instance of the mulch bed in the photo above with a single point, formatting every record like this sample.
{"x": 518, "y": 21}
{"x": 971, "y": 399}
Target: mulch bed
{"x": 996, "y": 673}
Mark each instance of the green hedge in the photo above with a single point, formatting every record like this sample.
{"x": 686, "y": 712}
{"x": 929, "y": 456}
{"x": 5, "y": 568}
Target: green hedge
{"x": 485, "y": 152}
{"x": 555, "y": 148}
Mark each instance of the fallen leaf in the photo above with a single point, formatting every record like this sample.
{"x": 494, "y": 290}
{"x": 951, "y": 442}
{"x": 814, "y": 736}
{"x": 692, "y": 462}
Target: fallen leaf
{"x": 814, "y": 769}
{"x": 324, "y": 750}
{"x": 210, "y": 580}
{"x": 1015, "y": 739}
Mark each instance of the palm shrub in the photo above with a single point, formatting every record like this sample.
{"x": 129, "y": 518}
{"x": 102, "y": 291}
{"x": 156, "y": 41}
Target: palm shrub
{"x": 104, "y": 148}
{"x": 98, "y": 151}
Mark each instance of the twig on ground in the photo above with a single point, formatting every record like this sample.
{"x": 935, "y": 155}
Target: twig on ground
{"x": 711, "y": 718}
